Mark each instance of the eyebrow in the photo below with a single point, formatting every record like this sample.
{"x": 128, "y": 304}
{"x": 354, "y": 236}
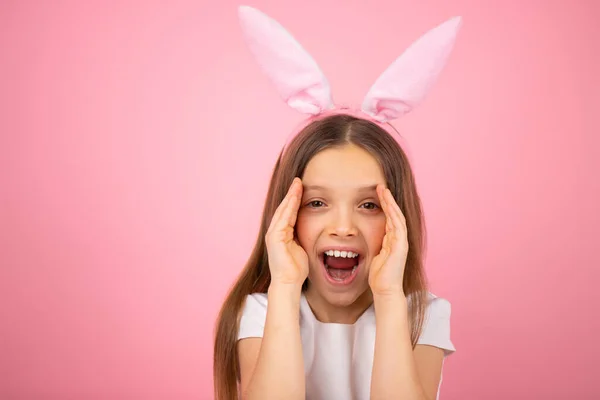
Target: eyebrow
{"x": 368, "y": 188}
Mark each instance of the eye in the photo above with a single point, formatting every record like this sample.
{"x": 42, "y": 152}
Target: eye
{"x": 370, "y": 205}
{"x": 315, "y": 203}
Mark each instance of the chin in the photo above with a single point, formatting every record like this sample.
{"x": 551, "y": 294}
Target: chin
{"x": 342, "y": 299}
{"x": 339, "y": 296}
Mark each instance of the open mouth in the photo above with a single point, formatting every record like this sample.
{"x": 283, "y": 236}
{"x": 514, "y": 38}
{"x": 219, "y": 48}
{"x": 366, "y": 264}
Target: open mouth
{"x": 340, "y": 266}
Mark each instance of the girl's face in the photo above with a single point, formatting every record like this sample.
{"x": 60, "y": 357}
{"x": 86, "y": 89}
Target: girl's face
{"x": 340, "y": 211}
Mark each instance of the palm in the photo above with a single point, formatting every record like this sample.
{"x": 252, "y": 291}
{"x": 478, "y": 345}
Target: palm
{"x": 387, "y": 268}
{"x": 299, "y": 259}
{"x": 288, "y": 262}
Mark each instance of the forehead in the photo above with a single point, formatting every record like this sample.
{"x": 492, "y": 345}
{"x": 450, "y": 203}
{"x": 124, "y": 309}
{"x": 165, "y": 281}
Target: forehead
{"x": 348, "y": 164}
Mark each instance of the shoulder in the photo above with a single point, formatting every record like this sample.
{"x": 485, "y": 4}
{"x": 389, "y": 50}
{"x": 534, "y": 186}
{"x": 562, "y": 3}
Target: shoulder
{"x": 254, "y": 302}
{"x": 436, "y": 324}
{"x": 252, "y": 316}
{"x": 438, "y": 307}
{"x": 435, "y": 306}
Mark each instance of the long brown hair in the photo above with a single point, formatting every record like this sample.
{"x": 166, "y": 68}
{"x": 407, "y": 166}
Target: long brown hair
{"x": 332, "y": 131}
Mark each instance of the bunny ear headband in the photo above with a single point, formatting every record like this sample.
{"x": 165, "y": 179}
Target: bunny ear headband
{"x": 304, "y": 87}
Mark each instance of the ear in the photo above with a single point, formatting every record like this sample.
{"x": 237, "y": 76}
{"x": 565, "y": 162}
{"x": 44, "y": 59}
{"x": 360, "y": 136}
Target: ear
{"x": 295, "y": 74}
{"x": 404, "y": 84}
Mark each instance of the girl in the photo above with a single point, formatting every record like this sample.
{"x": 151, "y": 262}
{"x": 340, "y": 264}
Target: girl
{"x": 333, "y": 302}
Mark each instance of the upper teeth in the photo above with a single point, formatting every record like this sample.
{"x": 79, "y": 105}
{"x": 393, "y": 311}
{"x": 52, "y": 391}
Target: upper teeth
{"x": 337, "y": 253}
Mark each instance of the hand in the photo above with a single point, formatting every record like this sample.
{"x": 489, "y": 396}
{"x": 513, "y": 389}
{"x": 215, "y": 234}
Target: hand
{"x": 386, "y": 273}
{"x": 288, "y": 262}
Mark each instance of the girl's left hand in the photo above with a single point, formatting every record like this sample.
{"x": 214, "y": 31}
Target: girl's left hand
{"x": 386, "y": 273}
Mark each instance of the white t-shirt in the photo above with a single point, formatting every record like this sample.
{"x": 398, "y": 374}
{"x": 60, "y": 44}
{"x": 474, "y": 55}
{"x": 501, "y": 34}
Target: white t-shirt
{"x": 338, "y": 358}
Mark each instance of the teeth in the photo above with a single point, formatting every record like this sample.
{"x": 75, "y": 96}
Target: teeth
{"x": 343, "y": 254}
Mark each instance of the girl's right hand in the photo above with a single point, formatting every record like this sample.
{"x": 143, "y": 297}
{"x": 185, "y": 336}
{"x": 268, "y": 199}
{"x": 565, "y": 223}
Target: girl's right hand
{"x": 288, "y": 262}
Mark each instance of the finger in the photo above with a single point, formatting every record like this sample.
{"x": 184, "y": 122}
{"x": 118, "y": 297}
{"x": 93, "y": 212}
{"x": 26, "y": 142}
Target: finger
{"x": 394, "y": 212}
{"x": 387, "y": 241}
{"x": 381, "y": 195}
{"x": 382, "y": 192}
{"x": 296, "y": 205}
{"x": 282, "y": 206}
{"x": 288, "y": 216}
{"x": 277, "y": 216}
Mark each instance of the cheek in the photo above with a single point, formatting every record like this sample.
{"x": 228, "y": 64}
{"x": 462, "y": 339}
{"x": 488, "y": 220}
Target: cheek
{"x": 305, "y": 232}
{"x": 375, "y": 233}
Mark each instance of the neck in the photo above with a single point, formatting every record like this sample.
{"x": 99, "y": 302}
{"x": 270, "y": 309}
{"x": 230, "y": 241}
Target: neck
{"x": 327, "y": 312}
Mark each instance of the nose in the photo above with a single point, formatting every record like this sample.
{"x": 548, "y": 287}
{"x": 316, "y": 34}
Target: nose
{"x": 342, "y": 223}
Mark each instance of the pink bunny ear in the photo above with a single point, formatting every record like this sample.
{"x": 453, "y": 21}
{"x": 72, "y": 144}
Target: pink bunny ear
{"x": 404, "y": 84}
{"x": 295, "y": 74}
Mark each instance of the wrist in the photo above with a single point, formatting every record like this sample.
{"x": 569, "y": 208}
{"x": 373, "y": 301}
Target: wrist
{"x": 287, "y": 290}
{"x": 393, "y": 301}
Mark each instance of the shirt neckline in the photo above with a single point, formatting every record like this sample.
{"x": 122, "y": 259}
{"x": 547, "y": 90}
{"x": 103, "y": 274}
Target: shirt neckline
{"x": 309, "y": 311}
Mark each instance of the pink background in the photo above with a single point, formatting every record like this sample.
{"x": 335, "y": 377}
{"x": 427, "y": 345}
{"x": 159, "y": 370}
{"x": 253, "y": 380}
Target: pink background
{"x": 137, "y": 140}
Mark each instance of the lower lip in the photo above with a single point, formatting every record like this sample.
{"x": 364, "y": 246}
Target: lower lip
{"x": 336, "y": 282}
